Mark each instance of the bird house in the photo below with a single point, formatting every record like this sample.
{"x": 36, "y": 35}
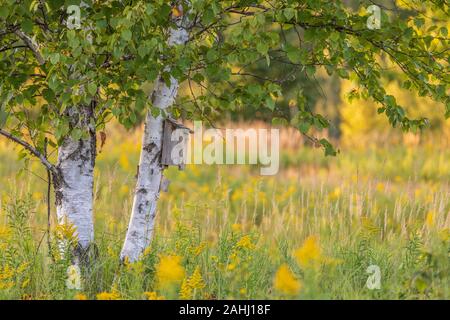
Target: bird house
{"x": 174, "y": 144}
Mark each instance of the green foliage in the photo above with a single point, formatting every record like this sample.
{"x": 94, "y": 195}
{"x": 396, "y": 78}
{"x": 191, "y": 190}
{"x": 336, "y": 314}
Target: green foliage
{"x": 123, "y": 45}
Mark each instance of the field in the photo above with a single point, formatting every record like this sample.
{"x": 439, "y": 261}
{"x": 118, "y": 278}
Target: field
{"x": 223, "y": 232}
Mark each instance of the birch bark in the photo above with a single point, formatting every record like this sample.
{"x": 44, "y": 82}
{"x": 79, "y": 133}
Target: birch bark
{"x": 74, "y": 183}
{"x": 142, "y": 221}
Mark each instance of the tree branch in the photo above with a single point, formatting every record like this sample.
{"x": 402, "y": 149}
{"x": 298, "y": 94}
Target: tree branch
{"x": 31, "y": 44}
{"x": 30, "y": 149}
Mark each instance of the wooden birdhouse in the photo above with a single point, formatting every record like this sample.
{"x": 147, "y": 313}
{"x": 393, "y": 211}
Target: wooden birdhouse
{"x": 174, "y": 144}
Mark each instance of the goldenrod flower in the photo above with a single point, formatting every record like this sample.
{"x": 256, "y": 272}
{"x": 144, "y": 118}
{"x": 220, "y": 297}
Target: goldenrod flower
{"x": 5, "y": 232}
{"x": 6, "y": 273}
{"x": 231, "y": 267}
{"x": 153, "y": 296}
{"x": 309, "y": 255}
{"x": 6, "y": 285}
{"x": 80, "y": 296}
{"x": 169, "y": 271}
{"x": 199, "y": 249}
{"x": 22, "y": 267}
{"x": 25, "y": 283}
{"x": 186, "y": 290}
{"x": 196, "y": 280}
{"x": 285, "y": 281}
{"x": 335, "y": 194}
{"x": 380, "y": 187}
{"x": 66, "y": 231}
{"x": 429, "y": 220}
{"x": 113, "y": 295}
{"x": 236, "y": 227}
{"x": 245, "y": 242}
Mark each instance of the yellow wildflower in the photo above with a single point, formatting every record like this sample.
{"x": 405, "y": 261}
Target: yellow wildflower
{"x": 114, "y": 295}
{"x": 22, "y": 267}
{"x": 335, "y": 194}
{"x": 199, "y": 249}
{"x": 124, "y": 190}
{"x": 147, "y": 251}
{"x": 80, "y": 296}
{"x": 285, "y": 281}
{"x": 37, "y": 196}
{"x": 309, "y": 255}
{"x": 196, "y": 280}
{"x": 429, "y": 220}
{"x": 186, "y": 290}
{"x": 25, "y": 283}
{"x": 6, "y": 273}
{"x": 380, "y": 187}
{"x": 245, "y": 242}
{"x": 236, "y": 227}
{"x": 5, "y": 232}
{"x": 153, "y": 296}
{"x": 136, "y": 267}
{"x": 231, "y": 267}
{"x": 124, "y": 162}
{"x": 66, "y": 231}
{"x": 6, "y": 285}
{"x": 169, "y": 271}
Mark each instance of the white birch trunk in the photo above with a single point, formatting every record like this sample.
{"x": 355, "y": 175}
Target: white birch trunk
{"x": 74, "y": 187}
{"x": 142, "y": 221}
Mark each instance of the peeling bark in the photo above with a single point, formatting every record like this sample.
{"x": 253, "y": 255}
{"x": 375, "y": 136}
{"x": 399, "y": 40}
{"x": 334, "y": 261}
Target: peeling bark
{"x": 74, "y": 183}
{"x": 142, "y": 221}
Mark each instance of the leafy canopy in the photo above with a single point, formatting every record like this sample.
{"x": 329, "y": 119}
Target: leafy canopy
{"x": 46, "y": 67}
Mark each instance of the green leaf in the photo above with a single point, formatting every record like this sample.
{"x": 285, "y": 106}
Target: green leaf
{"x": 328, "y": 147}
{"x": 292, "y": 54}
{"x": 270, "y": 103}
{"x": 279, "y": 121}
{"x": 304, "y": 127}
{"x": 3, "y": 118}
{"x": 27, "y": 26}
{"x": 262, "y": 48}
{"x": 92, "y": 88}
{"x": 4, "y": 11}
{"x": 54, "y": 58}
{"x": 310, "y": 71}
{"x": 126, "y": 35}
{"x": 143, "y": 50}
{"x": 289, "y": 13}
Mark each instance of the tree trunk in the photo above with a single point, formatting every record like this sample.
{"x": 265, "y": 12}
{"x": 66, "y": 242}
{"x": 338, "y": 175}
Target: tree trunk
{"x": 142, "y": 221}
{"x": 74, "y": 185}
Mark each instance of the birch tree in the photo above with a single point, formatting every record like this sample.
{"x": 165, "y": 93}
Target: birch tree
{"x": 63, "y": 77}
{"x": 149, "y": 176}
{"x": 228, "y": 56}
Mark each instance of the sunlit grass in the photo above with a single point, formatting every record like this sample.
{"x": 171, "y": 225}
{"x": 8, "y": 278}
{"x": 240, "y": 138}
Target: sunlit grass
{"x": 225, "y": 232}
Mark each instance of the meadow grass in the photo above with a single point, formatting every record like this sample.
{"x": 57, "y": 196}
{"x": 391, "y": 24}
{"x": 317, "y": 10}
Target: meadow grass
{"x": 225, "y": 232}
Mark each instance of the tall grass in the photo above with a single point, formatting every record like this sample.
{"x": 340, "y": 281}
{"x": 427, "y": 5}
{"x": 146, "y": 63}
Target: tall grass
{"x": 226, "y": 232}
